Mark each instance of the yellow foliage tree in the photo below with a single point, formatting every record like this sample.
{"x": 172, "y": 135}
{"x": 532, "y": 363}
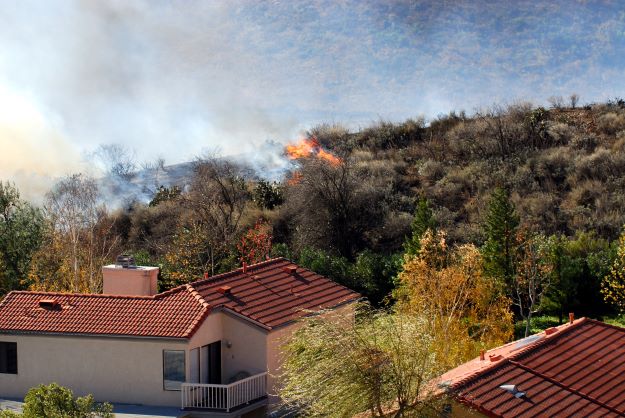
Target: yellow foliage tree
{"x": 468, "y": 311}
{"x": 613, "y": 284}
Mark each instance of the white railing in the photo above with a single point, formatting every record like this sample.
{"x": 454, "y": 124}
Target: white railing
{"x": 224, "y": 397}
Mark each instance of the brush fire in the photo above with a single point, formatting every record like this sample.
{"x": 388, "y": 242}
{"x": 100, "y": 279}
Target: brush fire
{"x": 310, "y": 147}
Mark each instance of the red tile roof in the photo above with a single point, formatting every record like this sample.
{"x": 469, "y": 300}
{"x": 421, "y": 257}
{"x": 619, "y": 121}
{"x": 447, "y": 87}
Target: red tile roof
{"x": 579, "y": 370}
{"x": 268, "y": 294}
{"x": 265, "y": 294}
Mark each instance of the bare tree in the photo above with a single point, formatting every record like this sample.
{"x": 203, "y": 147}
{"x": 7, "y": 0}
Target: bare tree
{"x": 117, "y": 160}
{"x": 334, "y": 204}
{"x": 81, "y": 233}
{"x": 218, "y": 199}
{"x": 532, "y": 277}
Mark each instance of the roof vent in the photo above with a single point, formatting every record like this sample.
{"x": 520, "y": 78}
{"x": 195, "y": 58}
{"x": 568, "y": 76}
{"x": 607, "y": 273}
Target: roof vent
{"x": 290, "y": 270}
{"x": 495, "y": 357}
{"x": 513, "y": 390}
{"x": 125, "y": 261}
{"x": 224, "y": 290}
{"x": 51, "y": 304}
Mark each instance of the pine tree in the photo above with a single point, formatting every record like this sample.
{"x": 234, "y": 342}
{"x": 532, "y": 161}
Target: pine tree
{"x": 500, "y": 228}
{"x": 423, "y": 220}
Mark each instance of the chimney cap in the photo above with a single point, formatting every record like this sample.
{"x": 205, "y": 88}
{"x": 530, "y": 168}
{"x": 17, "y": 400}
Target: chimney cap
{"x": 224, "y": 290}
{"x": 125, "y": 261}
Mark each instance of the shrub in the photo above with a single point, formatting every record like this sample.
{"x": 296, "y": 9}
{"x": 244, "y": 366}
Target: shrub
{"x": 610, "y": 123}
{"x": 54, "y": 401}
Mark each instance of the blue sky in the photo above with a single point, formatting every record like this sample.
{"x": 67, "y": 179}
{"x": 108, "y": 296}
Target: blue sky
{"x": 175, "y": 78}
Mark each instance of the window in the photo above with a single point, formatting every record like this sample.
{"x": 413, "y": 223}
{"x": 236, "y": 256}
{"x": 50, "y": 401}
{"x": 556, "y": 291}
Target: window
{"x": 173, "y": 369}
{"x": 8, "y": 358}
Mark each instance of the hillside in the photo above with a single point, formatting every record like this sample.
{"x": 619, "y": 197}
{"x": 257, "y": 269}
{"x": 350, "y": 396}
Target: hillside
{"x": 565, "y": 167}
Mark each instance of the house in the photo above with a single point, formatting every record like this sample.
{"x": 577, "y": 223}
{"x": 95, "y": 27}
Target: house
{"x": 211, "y": 345}
{"x": 573, "y": 370}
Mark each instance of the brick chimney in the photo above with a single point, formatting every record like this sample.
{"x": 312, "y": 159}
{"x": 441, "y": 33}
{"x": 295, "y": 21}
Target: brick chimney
{"x": 126, "y": 278}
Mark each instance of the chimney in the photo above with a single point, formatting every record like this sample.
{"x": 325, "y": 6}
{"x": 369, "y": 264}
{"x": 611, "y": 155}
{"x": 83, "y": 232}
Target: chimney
{"x": 126, "y": 278}
{"x": 50, "y": 304}
{"x": 290, "y": 270}
{"x": 571, "y": 317}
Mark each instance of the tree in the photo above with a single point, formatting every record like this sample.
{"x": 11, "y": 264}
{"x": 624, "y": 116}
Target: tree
{"x": 268, "y": 195}
{"x": 21, "y": 230}
{"x": 468, "y": 311}
{"x": 54, "y": 401}
{"x": 382, "y": 364}
{"x": 339, "y": 206}
{"x": 423, "y": 220}
{"x": 533, "y": 275}
{"x": 218, "y": 201}
{"x": 500, "y": 226}
{"x": 255, "y": 245}
{"x": 165, "y": 194}
{"x": 79, "y": 238}
{"x": 613, "y": 284}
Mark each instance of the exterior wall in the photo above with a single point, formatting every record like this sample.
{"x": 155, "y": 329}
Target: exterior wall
{"x": 210, "y": 331}
{"x": 112, "y": 369}
{"x": 248, "y": 347}
{"x": 140, "y": 281}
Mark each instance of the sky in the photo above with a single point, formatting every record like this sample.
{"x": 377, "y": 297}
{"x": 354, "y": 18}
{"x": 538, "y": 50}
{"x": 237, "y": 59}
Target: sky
{"x": 173, "y": 79}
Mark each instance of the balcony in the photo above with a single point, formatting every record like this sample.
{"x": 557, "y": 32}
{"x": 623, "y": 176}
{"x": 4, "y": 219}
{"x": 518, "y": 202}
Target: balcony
{"x": 224, "y": 398}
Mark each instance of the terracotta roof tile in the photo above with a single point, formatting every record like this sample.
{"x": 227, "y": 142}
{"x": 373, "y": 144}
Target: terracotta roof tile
{"x": 577, "y": 371}
{"x": 171, "y": 314}
{"x": 265, "y": 293}
{"x": 268, "y": 294}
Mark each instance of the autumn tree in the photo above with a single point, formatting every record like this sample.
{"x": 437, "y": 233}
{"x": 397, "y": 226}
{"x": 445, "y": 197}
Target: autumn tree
{"x": 21, "y": 230}
{"x": 500, "y": 227}
{"x": 79, "y": 238}
{"x": 255, "y": 245}
{"x": 380, "y": 365}
{"x": 188, "y": 256}
{"x": 613, "y": 284}
{"x": 468, "y": 310}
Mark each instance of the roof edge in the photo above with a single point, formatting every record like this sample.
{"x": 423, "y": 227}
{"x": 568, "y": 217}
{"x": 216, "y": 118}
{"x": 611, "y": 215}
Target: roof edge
{"x": 566, "y": 328}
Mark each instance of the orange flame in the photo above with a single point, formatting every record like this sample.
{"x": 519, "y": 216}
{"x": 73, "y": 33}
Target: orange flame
{"x": 296, "y": 178}
{"x": 331, "y": 158}
{"x": 306, "y": 148}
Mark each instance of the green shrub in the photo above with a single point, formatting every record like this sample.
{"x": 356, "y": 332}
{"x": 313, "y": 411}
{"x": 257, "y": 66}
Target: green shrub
{"x": 54, "y": 401}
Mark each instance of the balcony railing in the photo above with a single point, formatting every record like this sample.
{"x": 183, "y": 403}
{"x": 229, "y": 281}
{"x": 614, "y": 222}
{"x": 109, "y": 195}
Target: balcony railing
{"x": 224, "y": 397}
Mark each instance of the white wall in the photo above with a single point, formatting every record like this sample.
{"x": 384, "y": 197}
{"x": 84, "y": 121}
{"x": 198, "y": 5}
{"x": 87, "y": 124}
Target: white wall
{"x": 248, "y": 351}
{"x": 112, "y": 369}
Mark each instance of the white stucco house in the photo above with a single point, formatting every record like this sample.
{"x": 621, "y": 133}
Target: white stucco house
{"x": 212, "y": 345}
